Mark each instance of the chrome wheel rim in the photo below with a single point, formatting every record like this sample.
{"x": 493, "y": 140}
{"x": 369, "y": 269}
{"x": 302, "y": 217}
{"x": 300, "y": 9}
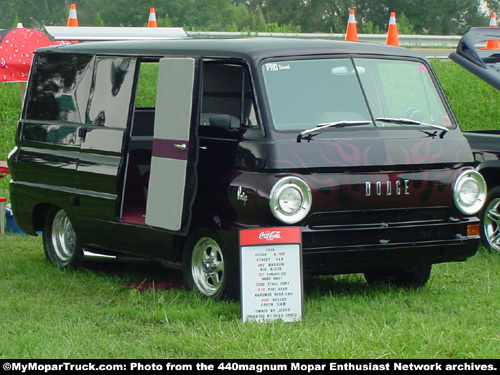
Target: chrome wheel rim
{"x": 207, "y": 266}
{"x": 491, "y": 224}
{"x": 63, "y": 236}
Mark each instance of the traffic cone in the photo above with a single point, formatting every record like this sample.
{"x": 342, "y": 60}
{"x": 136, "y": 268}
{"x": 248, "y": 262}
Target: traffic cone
{"x": 352, "y": 28}
{"x": 72, "y": 19}
{"x": 152, "y": 18}
{"x": 493, "y": 44}
{"x": 392, "y": 33}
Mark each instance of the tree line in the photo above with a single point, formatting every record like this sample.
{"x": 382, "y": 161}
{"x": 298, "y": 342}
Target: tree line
{"x": 433, "y": 17}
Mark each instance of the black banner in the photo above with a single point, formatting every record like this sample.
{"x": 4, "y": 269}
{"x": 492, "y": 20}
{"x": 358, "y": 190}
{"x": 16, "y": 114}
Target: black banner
{"x": 258, "y": 366}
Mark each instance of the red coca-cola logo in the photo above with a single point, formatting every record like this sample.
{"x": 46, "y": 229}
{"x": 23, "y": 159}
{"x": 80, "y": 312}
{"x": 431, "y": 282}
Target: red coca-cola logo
{"x": 270, "y": 235}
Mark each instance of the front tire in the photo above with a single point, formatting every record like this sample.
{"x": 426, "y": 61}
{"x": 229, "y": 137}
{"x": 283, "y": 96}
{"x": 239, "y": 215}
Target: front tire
{"x": 205, "y": 265}
{"x": 490, "y": 221}
{"x": 414, "y": 277}
{"x": 60, "y": 242}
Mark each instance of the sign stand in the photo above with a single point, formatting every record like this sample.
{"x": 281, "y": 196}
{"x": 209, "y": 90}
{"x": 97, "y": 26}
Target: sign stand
{"x": 271, "y": 274}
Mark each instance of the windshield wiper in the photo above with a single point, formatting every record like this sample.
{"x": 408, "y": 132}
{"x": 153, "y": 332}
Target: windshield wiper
{"x": 408, "y": 121}
{"x": 310, "y": 133}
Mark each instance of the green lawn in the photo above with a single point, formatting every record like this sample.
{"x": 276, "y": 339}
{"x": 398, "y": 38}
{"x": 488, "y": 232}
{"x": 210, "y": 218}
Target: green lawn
{"x": 90, "y": 313}
{"x": 474, "y": 102}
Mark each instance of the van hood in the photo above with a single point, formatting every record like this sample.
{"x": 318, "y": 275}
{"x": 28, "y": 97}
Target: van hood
{"x": 369, "y": 152}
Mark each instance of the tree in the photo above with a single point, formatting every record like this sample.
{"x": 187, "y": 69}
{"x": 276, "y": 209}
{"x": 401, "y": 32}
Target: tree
{"x": 329, "y": 16}
{"x": 325, "y": 16}
{"x": 282, "y": 11}
{"x": 492, "y": 6}
{"x": 34, "y": 13}
{"x": 427, "y": 16}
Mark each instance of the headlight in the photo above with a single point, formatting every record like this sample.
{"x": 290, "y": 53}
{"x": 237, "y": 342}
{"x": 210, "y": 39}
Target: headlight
{"x": 290, "y": 200}
{"x": 469, "y": 192}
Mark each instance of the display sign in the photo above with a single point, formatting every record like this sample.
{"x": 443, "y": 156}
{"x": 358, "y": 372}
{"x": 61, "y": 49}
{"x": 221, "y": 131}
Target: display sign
{"x": 271, "y": 274}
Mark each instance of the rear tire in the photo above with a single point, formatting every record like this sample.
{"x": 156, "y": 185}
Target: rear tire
{"x": 414, "y": 277}
{"x": 60, "y": 242}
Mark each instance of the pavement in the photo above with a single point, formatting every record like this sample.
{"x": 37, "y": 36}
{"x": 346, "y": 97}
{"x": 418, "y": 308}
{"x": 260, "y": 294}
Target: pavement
{"x": 435, "y": 53}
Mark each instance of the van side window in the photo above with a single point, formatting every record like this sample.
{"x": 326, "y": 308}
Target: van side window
{"x": 59, "y": 88}
{"x": 110, "y": 96}
{"x": 144, "y": 112}
{"x": 248, "y": 108}
{"x": 227, "y": 91}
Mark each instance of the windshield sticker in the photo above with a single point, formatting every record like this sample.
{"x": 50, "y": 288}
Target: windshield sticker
{"x": 423, "y": 68}
{"x": 275, "y": 67}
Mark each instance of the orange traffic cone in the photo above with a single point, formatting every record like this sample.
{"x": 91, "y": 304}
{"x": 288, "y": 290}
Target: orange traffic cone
{"x": 72, "y": 19}
{"x": 152, "y": 18}
{"x": 352, "y": 28}
{"x": 493, "y": 44}
{"x": 392, "y": 33}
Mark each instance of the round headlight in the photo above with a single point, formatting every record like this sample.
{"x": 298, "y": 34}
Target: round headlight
{"x": 469, "y": 192}
{"x": 290, "y": 200}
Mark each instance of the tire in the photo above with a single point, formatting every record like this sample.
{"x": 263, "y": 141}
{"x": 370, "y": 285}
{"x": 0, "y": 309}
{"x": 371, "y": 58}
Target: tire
{"x": 206, "y": 267}
{"x": 60, "y": 242}
{"x": 414, "y": 277}
{"x": 490, "y": 221}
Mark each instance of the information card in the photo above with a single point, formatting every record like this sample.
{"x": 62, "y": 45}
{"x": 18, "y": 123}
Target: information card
{"x": 271, "y": 274}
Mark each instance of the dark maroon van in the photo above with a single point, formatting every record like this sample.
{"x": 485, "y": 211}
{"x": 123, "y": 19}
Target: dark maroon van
{"x": 167, "y": 149}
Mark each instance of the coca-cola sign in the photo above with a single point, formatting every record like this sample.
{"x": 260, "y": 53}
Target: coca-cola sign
{"x": 270, "y": 235}
{"x": 271, "y": 274}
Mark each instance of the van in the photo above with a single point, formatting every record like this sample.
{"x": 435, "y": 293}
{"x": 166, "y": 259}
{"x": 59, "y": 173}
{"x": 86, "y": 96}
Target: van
{"x": 167, "y": 149}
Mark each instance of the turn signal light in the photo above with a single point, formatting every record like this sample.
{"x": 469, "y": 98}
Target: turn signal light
{"x": 473, "y": 230}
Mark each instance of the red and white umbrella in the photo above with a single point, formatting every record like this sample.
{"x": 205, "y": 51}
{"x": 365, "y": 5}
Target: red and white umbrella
{"x": 16, "y": 52}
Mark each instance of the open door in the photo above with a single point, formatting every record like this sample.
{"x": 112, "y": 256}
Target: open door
{"x": 483, "y": 62}
{"x": 172, "y": 185}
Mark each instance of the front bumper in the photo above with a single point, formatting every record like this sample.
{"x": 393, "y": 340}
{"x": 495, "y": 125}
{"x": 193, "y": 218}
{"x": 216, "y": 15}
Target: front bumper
{"x": 359, "y": 241}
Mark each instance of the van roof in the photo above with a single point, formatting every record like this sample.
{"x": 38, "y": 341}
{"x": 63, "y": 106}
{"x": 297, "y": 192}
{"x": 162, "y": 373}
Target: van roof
{"x": 243, "y": 48}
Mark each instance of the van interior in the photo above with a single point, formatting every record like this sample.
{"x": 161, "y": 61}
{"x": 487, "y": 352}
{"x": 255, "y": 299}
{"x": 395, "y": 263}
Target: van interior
{"x": 225, "y": 111}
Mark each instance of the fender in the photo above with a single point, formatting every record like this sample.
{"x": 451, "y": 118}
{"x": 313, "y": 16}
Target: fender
{"x": 490, "y": 170}
{"x": 489, "y": 164}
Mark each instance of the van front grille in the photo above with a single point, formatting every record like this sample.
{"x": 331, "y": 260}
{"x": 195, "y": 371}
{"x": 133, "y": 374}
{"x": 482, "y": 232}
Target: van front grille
{"x": 375, "y": 228}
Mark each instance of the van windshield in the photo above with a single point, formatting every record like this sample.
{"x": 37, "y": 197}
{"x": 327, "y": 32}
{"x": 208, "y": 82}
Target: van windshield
{"x": 304, "y": 94}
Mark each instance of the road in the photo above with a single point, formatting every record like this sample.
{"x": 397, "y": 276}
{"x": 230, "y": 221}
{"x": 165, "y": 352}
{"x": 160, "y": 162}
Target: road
{"x": 435, "y": 53}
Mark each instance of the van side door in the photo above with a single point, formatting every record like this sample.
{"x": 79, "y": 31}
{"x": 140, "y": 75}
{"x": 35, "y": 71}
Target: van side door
{"x": 172, "y": 185}
{"x": 106, "y": 120}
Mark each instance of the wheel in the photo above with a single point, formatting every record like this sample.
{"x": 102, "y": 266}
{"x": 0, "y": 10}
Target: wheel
{"x": 60, "y": 242}
{"x": 414, "y": 277}
{"x": 490, "y": 221}
{"x": 206, "y": 267}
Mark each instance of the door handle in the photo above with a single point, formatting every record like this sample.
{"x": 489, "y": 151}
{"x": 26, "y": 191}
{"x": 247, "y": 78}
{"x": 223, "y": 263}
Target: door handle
{"x": 181, "y": 146}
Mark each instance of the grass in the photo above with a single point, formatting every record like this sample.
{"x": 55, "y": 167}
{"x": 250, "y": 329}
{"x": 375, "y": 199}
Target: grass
{"x": 90, "y": 313}
{"x": 10, "y": 109}
{"x": 474, "y": 102}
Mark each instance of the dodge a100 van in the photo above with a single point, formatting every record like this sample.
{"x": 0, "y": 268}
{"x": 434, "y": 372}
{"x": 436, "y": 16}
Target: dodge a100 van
{"x": 167, "y": 149}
